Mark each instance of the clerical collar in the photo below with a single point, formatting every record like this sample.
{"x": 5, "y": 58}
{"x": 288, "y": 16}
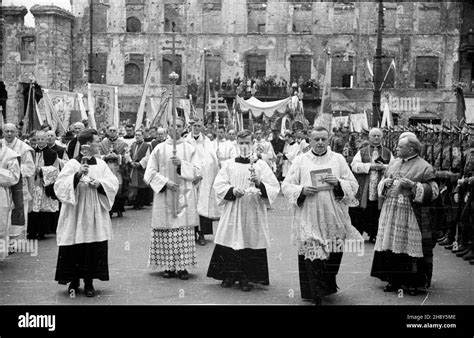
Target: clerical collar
{"x": 90, "y": 161}
{"x": 243, "y": 160}
{"x": 113, "y": 140}
{"x": 196, "y": 136}
{"x": 409, "y": 158}
{"x": 319, "y": 154}
{"x": 128, "y": 137}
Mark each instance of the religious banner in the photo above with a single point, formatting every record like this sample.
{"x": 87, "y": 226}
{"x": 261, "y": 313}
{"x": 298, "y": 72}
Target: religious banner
{"x": 359, "y": 122}
{"x": 58, "y": 106}
{"x": 103, "y": 105}
{"x": 340, "y": 121}
{"x": 185, "y": 105}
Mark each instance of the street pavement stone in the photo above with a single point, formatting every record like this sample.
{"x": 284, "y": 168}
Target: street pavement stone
{"x": 29, "y": 280}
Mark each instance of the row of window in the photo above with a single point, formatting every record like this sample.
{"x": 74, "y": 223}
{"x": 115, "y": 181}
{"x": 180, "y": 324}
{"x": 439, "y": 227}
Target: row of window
{"x": 342, "y": 72}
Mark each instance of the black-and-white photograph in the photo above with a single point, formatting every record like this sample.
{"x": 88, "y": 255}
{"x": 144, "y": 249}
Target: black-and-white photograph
{"x": 301, "y": 153}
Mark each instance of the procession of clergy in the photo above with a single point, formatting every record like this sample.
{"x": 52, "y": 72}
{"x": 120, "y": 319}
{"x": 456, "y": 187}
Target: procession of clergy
{"x": 73, "y": 191}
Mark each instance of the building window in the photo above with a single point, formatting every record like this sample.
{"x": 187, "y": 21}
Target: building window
{"x": 99, "y": 17}
{"x": 134, "y": 69}
{"x": 99, "y": 67}
{"x": 302, "y": 17}
{"x": 174, "y": 18}
{"x": 256, "y": 16}
{"x": 255, "y": 66}
{"x": 341, "y": 71}
{"x": 212, "y": 16}
{"x": 213, "y": 70}
{"x": 133, "y": 25}
{"x": 167, "y": 67}
{"x": 28, "y": 47}
{"x": 426, "y": 75}
{"x": 300, "y": 68}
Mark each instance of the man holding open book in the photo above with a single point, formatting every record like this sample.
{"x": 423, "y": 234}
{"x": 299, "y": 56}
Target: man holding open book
{"x": 321, "y": 187}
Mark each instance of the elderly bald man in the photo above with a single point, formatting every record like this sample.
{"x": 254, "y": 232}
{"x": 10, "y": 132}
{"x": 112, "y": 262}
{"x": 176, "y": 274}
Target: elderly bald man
{"x": 368, "y": 166}
{"x": 21, "y": 193}
{"x": 73, "y": 146}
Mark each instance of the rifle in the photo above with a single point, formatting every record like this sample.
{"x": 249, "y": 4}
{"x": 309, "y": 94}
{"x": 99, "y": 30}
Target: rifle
{"x": 451, "y": 138}
{"x": 441, "y": 147}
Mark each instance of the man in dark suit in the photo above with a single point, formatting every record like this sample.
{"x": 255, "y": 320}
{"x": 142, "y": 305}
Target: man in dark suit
{"x": 73, "y": 147}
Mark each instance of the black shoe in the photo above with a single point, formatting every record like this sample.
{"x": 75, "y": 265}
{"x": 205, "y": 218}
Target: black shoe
{"x": 460, "y": 248}
{"x": 169, "y": 274}
{"x": 201, "y": 240}
{"x": 441, "y": 239}
{"x": 391, "y": 287}
{"x": 469, "y": 255}
{"x": 412, "y": 291}
{"x": 318, "y": 300}
{"x": 89, "y": 291}
{"x": 245, "y": 285}
{"x": 183, "y": 274}
{"x": 462, "y": 253}
{"x": 227, "y": 283}
{"x": 445, "y": 242}
{"x": 74, "y": 285}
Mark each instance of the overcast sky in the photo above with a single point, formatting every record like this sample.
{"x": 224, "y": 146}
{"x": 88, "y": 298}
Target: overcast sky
{"x": 29, "y": 20}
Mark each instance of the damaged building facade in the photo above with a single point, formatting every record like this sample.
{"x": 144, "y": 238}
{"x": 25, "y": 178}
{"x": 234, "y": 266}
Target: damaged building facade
{"x": 225, "y": 40}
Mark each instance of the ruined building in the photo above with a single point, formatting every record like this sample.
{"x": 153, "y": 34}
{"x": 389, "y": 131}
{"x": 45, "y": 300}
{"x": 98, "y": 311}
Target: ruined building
{"x": 430, "y": 43}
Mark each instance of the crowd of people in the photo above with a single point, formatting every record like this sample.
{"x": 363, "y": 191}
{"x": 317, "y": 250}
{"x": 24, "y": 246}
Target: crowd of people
{"x": 407, "y": 190}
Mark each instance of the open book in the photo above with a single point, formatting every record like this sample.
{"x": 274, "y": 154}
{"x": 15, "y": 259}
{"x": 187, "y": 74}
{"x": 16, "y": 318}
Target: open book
{"x": 317, "y": 179}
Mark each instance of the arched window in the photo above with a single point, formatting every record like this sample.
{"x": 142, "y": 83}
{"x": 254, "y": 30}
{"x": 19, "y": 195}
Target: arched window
{"x": 133, "y": 74}
{"x": 133, "y": 25}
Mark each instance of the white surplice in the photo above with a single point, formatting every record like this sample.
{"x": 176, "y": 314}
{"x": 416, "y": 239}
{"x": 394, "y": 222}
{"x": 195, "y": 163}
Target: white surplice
{"x": 159, "y": 171}
{"x": 9, "y": 175}
{"x": 206, "y": 197}
{"x": 322, "y": 219}
{"x": 84, "y": 216}
{"x": 224, "y": 150}
{"x": 290, "y": 151}
{"x": 243, "y": 223}
{"x": 27, "y": 168}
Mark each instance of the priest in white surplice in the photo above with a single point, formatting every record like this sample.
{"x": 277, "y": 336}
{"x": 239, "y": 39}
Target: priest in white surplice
{"x": 290, "y": 151}
{"x": 172, "y": 238}
{"x": 22, "y": 191}
{"x": 224, "y": 149}
{"x": 320, "y": 186}
{"x": 242, "y": 235}
{"x": 86, "y": 188}
{"x": 206, "y": 198}
{"x": 9, "y": 176}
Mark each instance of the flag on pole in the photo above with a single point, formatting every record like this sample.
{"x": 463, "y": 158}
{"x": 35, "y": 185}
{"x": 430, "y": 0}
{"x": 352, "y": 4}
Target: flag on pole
{"x": 141, "y": 108}
{"x": 325, "y": 116}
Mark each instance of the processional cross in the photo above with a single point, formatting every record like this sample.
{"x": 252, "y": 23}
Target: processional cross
{"x": 173, "y": 77}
